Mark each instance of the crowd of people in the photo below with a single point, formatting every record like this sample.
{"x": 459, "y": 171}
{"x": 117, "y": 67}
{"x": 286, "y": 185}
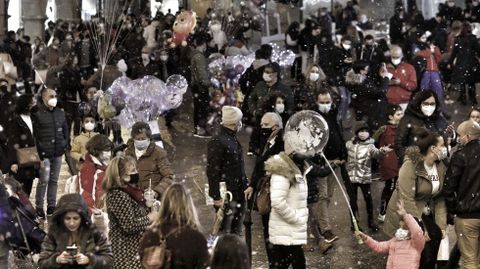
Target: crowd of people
{"x": 395, "y": 90}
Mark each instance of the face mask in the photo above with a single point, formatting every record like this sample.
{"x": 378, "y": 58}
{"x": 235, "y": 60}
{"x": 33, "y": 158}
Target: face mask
{"x": 267, "y": 77}
{"x": 396, "y": 61}
{"x": 423, "y": 39}
{"x": 451, "y": 4}
{"x": 133, "y": 178}
{"x": 239, "y": 126}
{"x": 363, "y": 135}
{"x": 215, "y": 28}
{"x": 280, "y": 108}
{"x": 475, "y": 4}
{"x": 443, "y": 154}
{"x": 106, "y": 155}
{"x": 401, "y": 234}
{"x": 314, "y": 76}
{"x": 324, "y": 108}
{"x": 141, "y": 144}
{"x": 346, "y": 46}
{"x": 164, "y": 58}
{"x": 89, "y": 126}
{"x": 52, "y": 102}
{"x": 428, "y": 110}
{"x": 266, "y": 132}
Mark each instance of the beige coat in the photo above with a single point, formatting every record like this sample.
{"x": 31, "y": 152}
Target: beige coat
{"x": 79, "y": 143}
{"x": 415, "y": 189}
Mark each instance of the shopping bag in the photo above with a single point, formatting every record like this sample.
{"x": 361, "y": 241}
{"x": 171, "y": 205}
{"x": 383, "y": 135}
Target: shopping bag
{"x": 71, "y": 185}
{"x": 444, "y": 250}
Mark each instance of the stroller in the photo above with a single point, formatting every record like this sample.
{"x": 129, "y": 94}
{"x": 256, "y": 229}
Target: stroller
{"x": 25, "y": 235}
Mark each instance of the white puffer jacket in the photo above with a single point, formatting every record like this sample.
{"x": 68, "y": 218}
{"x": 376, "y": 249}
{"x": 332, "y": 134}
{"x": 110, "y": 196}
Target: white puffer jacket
{"x": 288, "y": 193}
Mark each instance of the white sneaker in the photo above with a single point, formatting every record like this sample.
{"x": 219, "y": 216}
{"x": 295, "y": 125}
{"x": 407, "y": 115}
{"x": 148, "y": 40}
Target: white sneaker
{"x": 249, "y": 153}
{"x": 381, "y": 218}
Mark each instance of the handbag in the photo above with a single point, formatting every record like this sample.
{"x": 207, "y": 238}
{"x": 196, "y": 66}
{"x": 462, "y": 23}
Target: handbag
{"x": 28, "y": 157}
{"x": 264, "y": 204}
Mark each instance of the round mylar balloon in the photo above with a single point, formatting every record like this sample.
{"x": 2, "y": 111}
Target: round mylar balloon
{"x": 306, "y": 132}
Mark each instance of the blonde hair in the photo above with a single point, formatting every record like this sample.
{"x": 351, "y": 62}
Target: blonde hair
{"x": 116, "y": 171}
{"x": 177, "y": 208}
{"x": 320, "y": 71}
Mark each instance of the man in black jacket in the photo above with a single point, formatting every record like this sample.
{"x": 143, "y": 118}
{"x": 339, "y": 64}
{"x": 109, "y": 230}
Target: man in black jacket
{"x": 225, "y": 163}
{"x": 51, "y": 137}
{"x": 461, "y": 190}
{"x": 336, "y": 153}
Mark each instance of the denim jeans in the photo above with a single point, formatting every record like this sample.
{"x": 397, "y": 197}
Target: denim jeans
{"x": 48, "y": 182}
{"x": 4, "y": 261}
{"x": 326, "y": 188}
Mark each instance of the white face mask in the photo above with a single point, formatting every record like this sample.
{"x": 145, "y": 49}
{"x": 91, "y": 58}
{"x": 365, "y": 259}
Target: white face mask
{"x": 106, "y": 155}
{"x": 401, "y": 234}
{"x": 396, "y": 61}
{"x": 324, "y": 108}
{"x": 314, "y": 76}
{"x": 346, "y": 46}
{"x": 443, "y": 154}
{"x": 52, "y": 102}
{"x": 164, "y": 58}
{"x": 216, "y": 27}
{"x": 428, "y": 110}
{"x": 280, "y": 108}
{"x": 267, "y": 77}
{"x": 363, "y": 135}
{"x": 423, "y": 39}
{"x": 89, "y": 126}
{"x": 475, "y": 4}
{"x": 141, "y": 144}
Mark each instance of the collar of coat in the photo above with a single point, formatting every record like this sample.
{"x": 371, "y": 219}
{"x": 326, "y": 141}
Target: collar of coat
{"x": 282, "y": 165}
{"x": 354, "y": 78}
{"x": 413, "y": 154}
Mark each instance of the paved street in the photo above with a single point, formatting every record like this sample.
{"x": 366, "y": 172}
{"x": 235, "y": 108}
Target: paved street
{"x": 189, "y": 161}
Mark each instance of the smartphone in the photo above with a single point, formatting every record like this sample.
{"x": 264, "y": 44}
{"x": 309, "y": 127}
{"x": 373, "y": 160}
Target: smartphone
{"x": 72, "y": 250}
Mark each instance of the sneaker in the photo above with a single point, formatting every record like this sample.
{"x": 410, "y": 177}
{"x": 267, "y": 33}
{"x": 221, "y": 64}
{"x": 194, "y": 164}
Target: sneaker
{"x": 329, "y": 236}
{"x": 40, "y": 213}
{"x": 50, "y": 210}
{"x": 381, "y": 218}
{"x": 324, "y": 246}
{"x": 249, "y": 153}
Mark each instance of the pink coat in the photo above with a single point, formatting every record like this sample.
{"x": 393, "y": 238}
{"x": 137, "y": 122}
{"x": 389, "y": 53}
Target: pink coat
{"x": 403, "y": 254}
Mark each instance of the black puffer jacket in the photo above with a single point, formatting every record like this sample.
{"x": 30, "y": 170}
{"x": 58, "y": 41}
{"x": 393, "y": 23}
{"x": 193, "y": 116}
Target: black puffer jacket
{"x": 225, "y": 163}
{"x": 319, "y": 170}
{"x": 335, "y": 148}
{"x": 414, "y": 118}
{"x": 461, "y": 185}
{"x": 90, "y": 241}
{"x": 50, "y": 131}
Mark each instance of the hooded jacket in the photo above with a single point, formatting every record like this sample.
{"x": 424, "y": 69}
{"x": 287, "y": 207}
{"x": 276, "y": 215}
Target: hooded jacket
{"x": 415, "y": 189}
{"x": 252, "y": 76}
{"x": 50, "y": 131}
{"x": 360, "y": 155}
{"x": 412, "y": 119}
{"x": 91, "y": 242}
{"x": 152, "y": 165}
{"x": 79, "y": 143}
{"x": 462, "y": 183}
{"x": 402, "y": 254}
{"x": 91, "y": 178}
{"x": 288, "y": 194}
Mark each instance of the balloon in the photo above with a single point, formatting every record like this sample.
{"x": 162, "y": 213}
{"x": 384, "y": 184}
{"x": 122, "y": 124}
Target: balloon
{"x": 85, "y": 109}
{"x": 306, "y": 132}
{"x": 117, "y": 91}
{"x": 177, "y": 81}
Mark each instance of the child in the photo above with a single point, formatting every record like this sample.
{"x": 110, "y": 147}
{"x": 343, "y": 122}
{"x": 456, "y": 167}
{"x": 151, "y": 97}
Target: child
{"x": 389, "y": 165}
{"x": 79, "y": 142}
{"x": 405, "y": 249}
{"x": 361, "y": 150}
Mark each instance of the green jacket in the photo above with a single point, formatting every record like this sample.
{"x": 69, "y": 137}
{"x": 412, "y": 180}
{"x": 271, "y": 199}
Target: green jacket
{"x": 262, "y": 89}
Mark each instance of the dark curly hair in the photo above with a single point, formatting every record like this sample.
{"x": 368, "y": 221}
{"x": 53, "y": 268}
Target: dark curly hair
{"x": 99, "y": 143}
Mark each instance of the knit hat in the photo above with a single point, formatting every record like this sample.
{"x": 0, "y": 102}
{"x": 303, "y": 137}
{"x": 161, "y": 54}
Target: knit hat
{"x": 231, "y": 115}
{"x": 360, "y": 126}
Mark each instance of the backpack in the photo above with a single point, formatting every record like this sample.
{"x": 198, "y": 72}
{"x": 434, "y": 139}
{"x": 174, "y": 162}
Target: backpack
{"x": 158, "y": 257}
{"x": 264, "y": 204}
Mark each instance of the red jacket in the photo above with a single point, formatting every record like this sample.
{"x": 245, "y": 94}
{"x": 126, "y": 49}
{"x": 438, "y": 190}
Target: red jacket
{"x": 404, "y": 254}
{"x": 389, "y": 164}
{"x": 432, "y": 58}
{"x": 91, "y": 178}
{"x": 400, "y": 94}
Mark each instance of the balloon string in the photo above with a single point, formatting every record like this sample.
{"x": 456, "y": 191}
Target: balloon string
{"x": 354, "y": 220}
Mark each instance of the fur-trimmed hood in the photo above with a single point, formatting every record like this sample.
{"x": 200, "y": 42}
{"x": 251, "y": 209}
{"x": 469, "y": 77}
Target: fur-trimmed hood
{"x": 281, "y": 164}
{"x": 412, "y": 153}
{"x": 353, "y": 78}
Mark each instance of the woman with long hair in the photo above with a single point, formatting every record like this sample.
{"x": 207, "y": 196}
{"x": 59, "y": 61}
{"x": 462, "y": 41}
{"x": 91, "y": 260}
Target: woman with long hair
{"x": 230, "y": 252}
{"x": 72, "y": 241}
{"x": 178, "y": 224}
{"x": 126, "y": 210}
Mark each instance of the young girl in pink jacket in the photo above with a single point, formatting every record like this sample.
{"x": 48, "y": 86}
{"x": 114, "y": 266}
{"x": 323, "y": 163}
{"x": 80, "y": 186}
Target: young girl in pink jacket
{"x": 405, "y": 248}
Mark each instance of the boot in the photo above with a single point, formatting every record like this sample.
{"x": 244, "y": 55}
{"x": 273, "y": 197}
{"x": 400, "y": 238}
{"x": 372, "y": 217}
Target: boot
{"x": 373, "y": 226}
{"x": 324, "y": 246}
